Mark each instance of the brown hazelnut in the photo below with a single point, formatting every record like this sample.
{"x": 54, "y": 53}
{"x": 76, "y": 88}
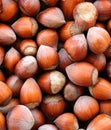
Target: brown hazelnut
{"x": 7, "y": 35}
{"x": 12, "y": 57}
{"x": 101, "y": 90}
{"x": 5, "y": 93}
{"x": 9, "y": 10}
{"x": 30, "y": 8}
{"x": 39, "y": 118}
{"x": 28, "y": 47}
{"x": 53, "y": 106}
{"x": 55, "y": 81}
{"x": 26, "y": 67}
{"x": 104, "y": 9}
{"x": 82, "y": 73}
{"x": 86, "y": 107}
{"x": 67, "y": 121}
{"x": 76, "y": 45}
{"x": 31, "y": 90}
{"x": 51, "y": 17}
{"x": 25, "y": 27}
{"x": 98, "y": 123}
{"x": 20, "y": 117}
{"x": 47, "y": 57}
{"x": 48, "y": 37}
{"x": 98, "y": 39}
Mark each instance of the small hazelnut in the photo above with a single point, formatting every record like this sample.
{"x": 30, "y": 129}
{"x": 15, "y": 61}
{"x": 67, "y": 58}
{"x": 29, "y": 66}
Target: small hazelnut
{"x": 29, "y": 7}
{"x": 76, "y": 45}
{"x": 86, "y": 107}
{"x": 98, "y": 123}
{"x": 82, "y": 73}
{"x": 5, "y": 93}
{"x": 20, "y": 118}
{"x": 67, "y": 121}
{"x": 25, "y": 27}
{"x": 71, "y": 91}
{"x": 7, "y": 35}
{"x": 48, "y": 37}
{"x": 53, "y": 106}
{"x": 31, "y": 90}
{"x": 55, "y": 81}
{"x": 101, "y": 90}
{"x": 12, "y": 57}
{"x": 26, "y": 67}
{"x": 51, "y": 17}
{"x": 47, "y": 57}
{"x": 9, "y": 10}
{"x": 98, "y": 39}
{"x": 28, "y": 47}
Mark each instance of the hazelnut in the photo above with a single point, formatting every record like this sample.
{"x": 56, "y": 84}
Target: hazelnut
{"x": 67, "y": 7}
{"x": 64, "y": 60}
{"x": 25, "y": 27}
{"x": 7, "y": 35}
{"x": 101, "y": 90}
{"x": 9, "y": 10}
{"x": 86, "y": 107}
{"x": 47, "y": 57}
{"x": 51, "y": 17}
{"x": 55, "y": 81}
{"x": 69, "y": 119}
{"x": 98, "y": 60}
{"x": 12, "y": 57}
{"x": 48, "y": 37}
{"x": 5, "y": 93}
{"x": 31, "y": 90}
{"x": 76, "y": 45}
{"x": 53, "y": 105}
{"x": 104, "y": 9}
{"x": 20, "y": 118}
{"x": 98, "y": 123}
{"x": 85, "y": 15}
{"x": 39, "y": 118}
{"x": 28, "y": 47}
{"x": 15, "y": 83}
{"x": 26, "y": 67}
{"x": 30, "y": 8}
{"x": 71, "y": 91}
{"x": 98, "y": 39}
{"x": 82, "y": 73}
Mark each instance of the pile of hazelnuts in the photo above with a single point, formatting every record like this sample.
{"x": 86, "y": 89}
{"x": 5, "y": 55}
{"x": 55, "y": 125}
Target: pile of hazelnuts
{"x": 55, "y": 64}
